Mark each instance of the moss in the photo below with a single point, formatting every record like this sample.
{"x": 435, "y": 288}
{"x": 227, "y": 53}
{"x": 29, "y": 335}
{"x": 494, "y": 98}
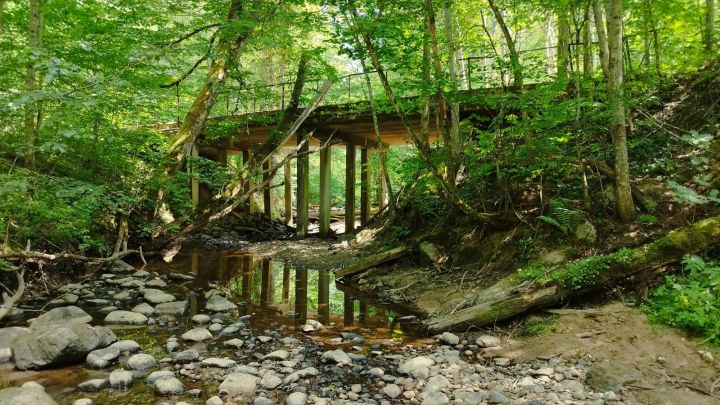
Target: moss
{"x": 533, "y": 270}
{"x": 538, "y": 326}
{"x": 585, "y": 272}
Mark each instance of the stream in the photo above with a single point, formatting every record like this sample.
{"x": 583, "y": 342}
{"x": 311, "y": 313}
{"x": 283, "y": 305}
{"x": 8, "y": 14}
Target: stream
{"x": 230, "y": 327}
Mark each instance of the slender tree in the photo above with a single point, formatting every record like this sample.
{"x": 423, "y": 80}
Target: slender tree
{"x": 710, "y": 25}
{"x": 32, "y": 109}
{"x": 624, "y": 199}
{"x": 563, "y": 44}
{"x": 510, "y": 43}
{"x": 602, "y": 37}
{"x": 455, "y": 146}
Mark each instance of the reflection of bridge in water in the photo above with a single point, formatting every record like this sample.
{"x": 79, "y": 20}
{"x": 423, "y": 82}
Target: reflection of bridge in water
{"x": 275, "y": 292}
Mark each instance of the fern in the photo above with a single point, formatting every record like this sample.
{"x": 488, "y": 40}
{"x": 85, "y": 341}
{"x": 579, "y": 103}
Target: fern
{"x": 553, "y": 222}
{"x": 563, "y": 218}
{"x": 686, "y": 195}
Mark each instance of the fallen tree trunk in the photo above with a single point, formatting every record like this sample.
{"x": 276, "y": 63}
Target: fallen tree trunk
{"x": 373, "y": 261}
{"x": 512, "y": 296}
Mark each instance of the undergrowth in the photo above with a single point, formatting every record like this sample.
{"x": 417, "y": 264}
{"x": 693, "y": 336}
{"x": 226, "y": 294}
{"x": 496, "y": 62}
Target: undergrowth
{"x": 690, "y": 300}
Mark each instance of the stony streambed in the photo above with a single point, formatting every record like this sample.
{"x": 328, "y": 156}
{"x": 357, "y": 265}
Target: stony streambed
{"x": 183, "y": 337}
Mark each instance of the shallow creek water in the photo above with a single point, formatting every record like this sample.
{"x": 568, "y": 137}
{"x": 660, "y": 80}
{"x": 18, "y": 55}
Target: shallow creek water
{"x": 279, "y": 298}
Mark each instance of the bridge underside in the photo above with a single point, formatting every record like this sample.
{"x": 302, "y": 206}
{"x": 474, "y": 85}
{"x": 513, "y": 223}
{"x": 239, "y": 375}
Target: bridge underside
{"x": 349, "y": 127}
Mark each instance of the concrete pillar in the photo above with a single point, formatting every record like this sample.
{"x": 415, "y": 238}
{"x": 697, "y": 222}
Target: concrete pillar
{"x": 267, "y": 188}
{"x": 194, "y": 183}
{"x": 303, "y": 186}
{"x": 364, "y": 186}
{"x": 325, "y": 175}
{"x": 350, "y": 188}
{"x": 287, "y": 178}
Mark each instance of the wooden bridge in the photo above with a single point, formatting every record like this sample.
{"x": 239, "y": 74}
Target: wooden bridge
{"x": 348, "y": 126}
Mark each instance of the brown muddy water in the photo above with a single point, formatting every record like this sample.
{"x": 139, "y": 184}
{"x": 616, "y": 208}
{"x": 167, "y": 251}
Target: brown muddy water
{"x": 278, "y": 297}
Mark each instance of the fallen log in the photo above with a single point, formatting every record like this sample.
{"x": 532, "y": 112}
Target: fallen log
{"x": 372, "y": 261}
{"x": 512, "y": 296}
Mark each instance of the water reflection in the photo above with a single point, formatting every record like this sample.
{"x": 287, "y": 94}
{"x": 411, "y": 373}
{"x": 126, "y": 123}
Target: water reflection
{"x": 301, "y": 293}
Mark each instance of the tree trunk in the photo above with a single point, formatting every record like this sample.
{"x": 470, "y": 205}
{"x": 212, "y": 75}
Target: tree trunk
{"x": 372, "y": 261}
{"x": 655, "y": 38}
{"x": 563, "y": 45}
{"x": 226, "y": 53}
{"x": 550, "y": 52}
{"x": 587, "y": 44}
{"x": 625, "y": 206}
{"x": 510, "y": 296}
{"x": 710, "y": 25}
{"x": 449, "y": 187}
{"x": 455, "y": 146}
{"x": 602, "y": 37}
{"x": 32, "y": 109}
{"x": 512, "y": 50}
{"x": 2, "y": 16}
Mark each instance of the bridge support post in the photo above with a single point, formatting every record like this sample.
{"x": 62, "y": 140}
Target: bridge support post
{"x": 222, "y": 157}
{"x": 350, "y": 188}
{"x": 287, "y": 178}
{"x": 249, "y": 184}
{"x": 325, "y": 173}
{"x": 364, "y": 186}
{"x": 267, "y": 188}
{"x": 303, "y": 185}
{"x": 348, "y": 309}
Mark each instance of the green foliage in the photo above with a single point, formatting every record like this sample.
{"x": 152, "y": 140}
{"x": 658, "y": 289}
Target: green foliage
{"x": 585, "y": 272}
{"x": 646, "y": 219}
{"x": 691, "y": 300}
{"x": 539, "y": 326}
{"x": 533, "y": 270}
{"x": 564, "y": 219}
{"x": 686, "y": 195}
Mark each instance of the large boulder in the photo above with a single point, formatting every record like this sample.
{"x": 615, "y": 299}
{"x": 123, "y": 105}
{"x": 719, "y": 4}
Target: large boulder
{"x": 25, "y": 396}
{"x": 7, "y": 335}
{"x": 62, "y": 315}
{"x": 56, "y": 344}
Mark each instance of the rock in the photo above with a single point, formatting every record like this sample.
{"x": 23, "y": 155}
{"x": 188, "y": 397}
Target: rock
{"x": 449, "y": 339}
{"x": 201, "y": 319}
{"x": 488, "y": 341}
{"x": 181, "y": 277}
{"x": 83, "y": 401}
{"x": 218, "y": 303}
{"x": 107, "y": 310}
{"x": 176, "y": 308}
{"x": 496, "y": 397}
{"x": 392, "y": 391}
{"x": 5, "y": 354}
{"x": 436, "y": 398}
{"x": 277, "y": 355}
{"x": 102, "y": 358}
{"x": 7, "y": 335}
{"x": 65, "y": 299}
{"x": 234, "y": 343}
{"x": 156, "y": 375}
{"x": 141, "y": 274}
{"x": 125, "y": 318}
{"x": 238, "y": 384}
{"x": 501, "y": 361}
{"x": 119, "y": 266}
{"x": 186, "y": 356}
{"x": 216, "y": 327}
{"x": 121, "y": 379}
{"x": 122, "y": 296}
{"x": 610, "y": 376}
{"x": 418, "y": 367}
{"x": 270, "y": 381}
{"x": 141, "y": 362}
{"x": 376, "y": 372}
{"x": 197, "y": 335}
{"x": 56, "y": 344}
{"x": 337, "y": 356}
{"x": 214, "y": 401}
{"x": 296, "y": 398}
{"x": 217, "y": 362}
{"x": 25, "y": 396}
{"x": 94, "y": 385}
{"x": 586, "y": 232}
{"x": 436, "y": 383}
{"x": 155, "y": 297}
{"x": 156, "y": 283}
{"x": 144, "y": 308}
{"x": 234, "y": 329}
{"x": 315, "y": 325}
{"x": 126, "y": 346}
{"x": 62, "y": 315}
{"x": 168, "y": 386}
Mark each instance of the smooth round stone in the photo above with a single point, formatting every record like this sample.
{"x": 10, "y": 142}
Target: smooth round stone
{"x": 296, "y": 398}
{"x": 277, "y": 355}
{"x": 197, "y": 335}
{"x": 141, "y": 362}
{"x": 201, "y": 319}
{"x": 102, "y": 358}
{"x": 270, "y": 381}
{"x": 121, "y": 379}
{"x": 236, "y": 384}
{"x": 392, "y": 391}
{"x": 125, "y": 318}
{"x": 168, "y": 386}
{"x": 125, "y": 346}
{"x": 144, "y": 308}
{"x": 93, "y": 385}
